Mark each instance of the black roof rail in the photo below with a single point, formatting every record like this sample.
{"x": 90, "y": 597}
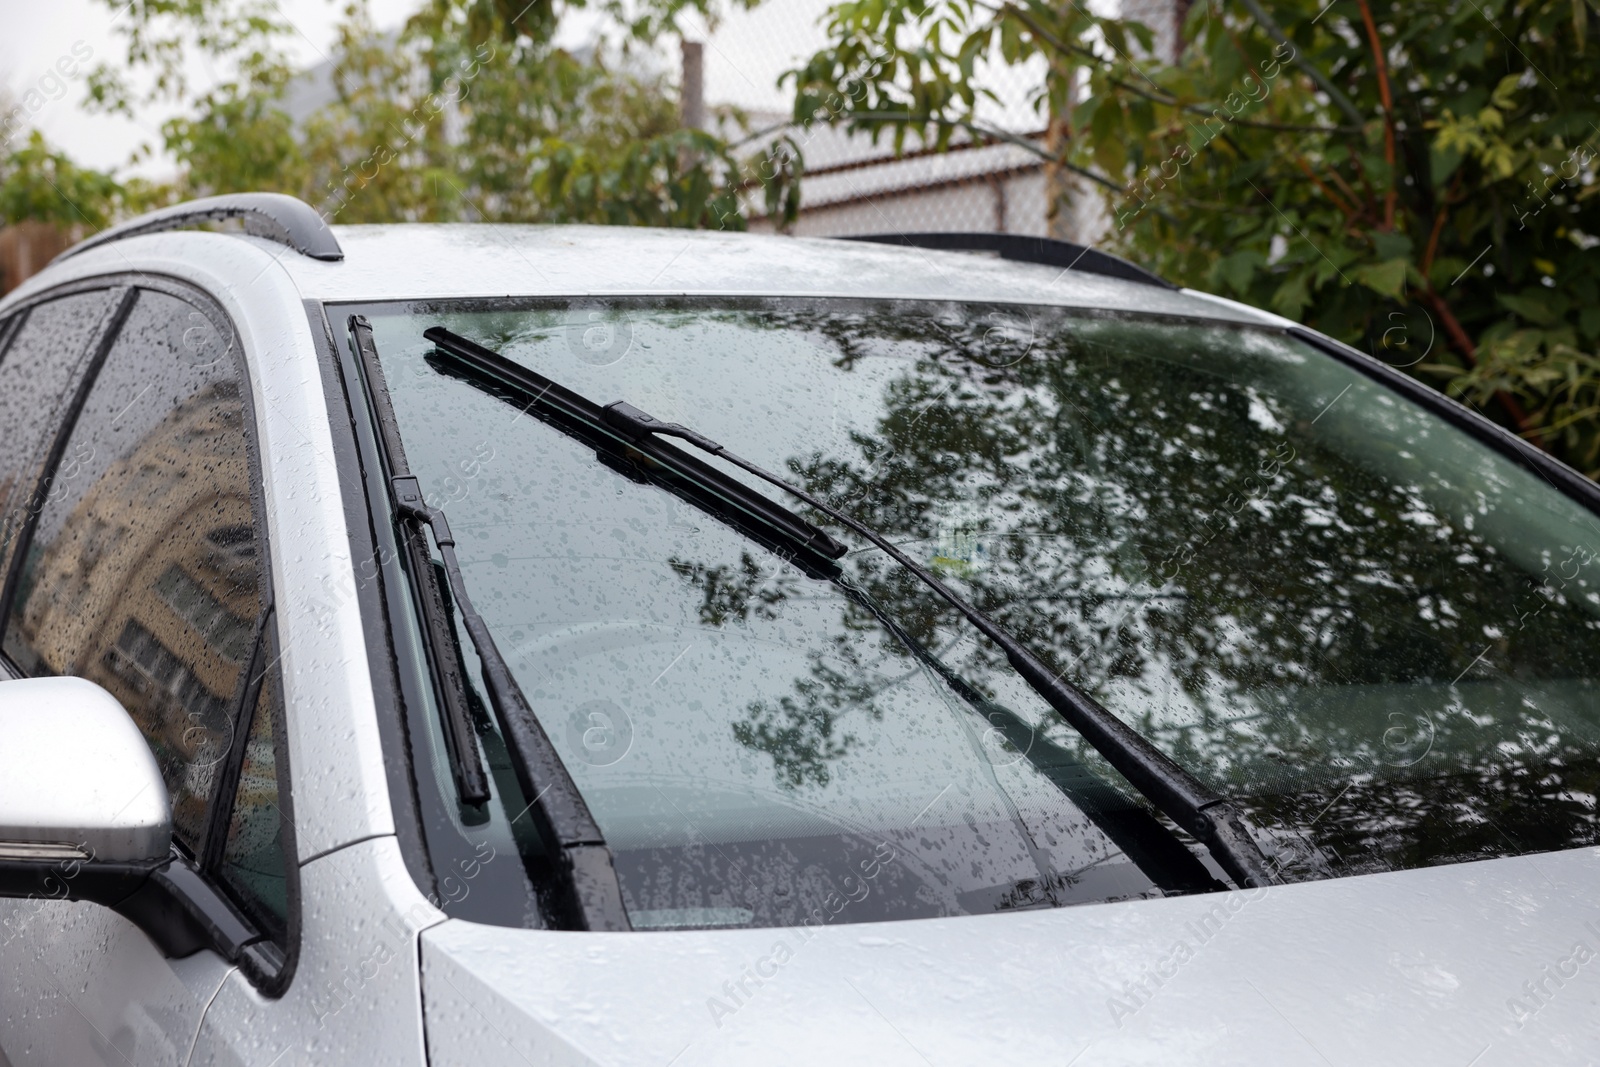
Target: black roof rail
{"x": 1024, "y": 249}
{"x": 272, "y": 216}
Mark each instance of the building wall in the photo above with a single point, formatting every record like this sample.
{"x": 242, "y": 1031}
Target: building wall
{"x": 1012, "y": 203}
{"x": 1164, "y": 17}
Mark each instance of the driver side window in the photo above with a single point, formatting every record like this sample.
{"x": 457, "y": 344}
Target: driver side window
{"x": 142, "y": 571}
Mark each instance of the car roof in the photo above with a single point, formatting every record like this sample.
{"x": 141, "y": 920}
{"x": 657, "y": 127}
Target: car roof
{"x": 415, "y": 261}
{"x": 436, "y": 261}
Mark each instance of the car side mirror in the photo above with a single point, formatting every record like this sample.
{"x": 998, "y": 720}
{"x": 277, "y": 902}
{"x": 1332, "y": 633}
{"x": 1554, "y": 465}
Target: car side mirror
{"x": 84, "y": 812}
{"x": 84, "y": 815}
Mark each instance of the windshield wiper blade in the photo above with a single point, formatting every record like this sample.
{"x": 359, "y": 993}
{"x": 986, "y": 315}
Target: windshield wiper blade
{"x": 1206, "y": 815}
{"x": 593, "y": 898}
{"x": 581, "y": 417}
{"x": 455, "y": 716}
{"x": 1149, "y": 845}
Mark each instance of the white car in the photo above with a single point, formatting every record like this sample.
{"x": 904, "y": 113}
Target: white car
{"x": 562, "y": 645}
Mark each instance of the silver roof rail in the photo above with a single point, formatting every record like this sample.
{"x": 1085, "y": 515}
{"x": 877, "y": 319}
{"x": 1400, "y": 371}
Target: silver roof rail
{"x": 272, "y": 216}
{"x": 1024, "y": 249}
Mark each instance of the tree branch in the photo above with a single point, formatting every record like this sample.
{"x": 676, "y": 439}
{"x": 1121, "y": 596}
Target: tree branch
{"x": 1433, "y": 240}
{"x": 1350, "y": 213}
{"x": 1340, "y": 100}
{"x": 1338, "y": 179}
{"x": 1287, "y": 127}
{"x": 992, "y": 134}
{"x": 756, "y": 135}
{"x": 1438, "y": 224}
{"x": 1388, "y": 112}
{"x": 1171, "y": 101}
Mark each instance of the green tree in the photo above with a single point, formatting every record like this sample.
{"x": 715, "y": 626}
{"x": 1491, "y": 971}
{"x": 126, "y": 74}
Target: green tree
{"x": 41, "y": 184}
{"x": 1416, "y": 179}
{"x": 470, "y": 112}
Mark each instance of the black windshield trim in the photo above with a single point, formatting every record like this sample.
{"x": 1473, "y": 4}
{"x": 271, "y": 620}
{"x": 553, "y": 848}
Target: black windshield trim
{"x": 1568, "y": 482}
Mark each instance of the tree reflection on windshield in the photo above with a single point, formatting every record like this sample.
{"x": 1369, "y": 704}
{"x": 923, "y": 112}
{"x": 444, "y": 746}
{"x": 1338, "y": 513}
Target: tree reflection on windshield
{"x": 1182, "y": 535}
{"x": 1375, "y": 633}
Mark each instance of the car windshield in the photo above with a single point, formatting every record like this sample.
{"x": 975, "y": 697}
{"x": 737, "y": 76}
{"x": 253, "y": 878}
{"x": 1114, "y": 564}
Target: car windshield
{"x": 1375, "y": 633}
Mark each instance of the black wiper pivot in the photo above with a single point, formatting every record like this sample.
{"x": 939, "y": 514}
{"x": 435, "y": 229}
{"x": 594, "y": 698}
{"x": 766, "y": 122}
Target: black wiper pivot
{"x": 1208, "y": 816}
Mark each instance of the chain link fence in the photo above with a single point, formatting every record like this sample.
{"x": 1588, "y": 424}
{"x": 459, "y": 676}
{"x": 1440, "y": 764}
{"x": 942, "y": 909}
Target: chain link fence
{"x": 852, "y": 186}
{"x": 862, "y": 188}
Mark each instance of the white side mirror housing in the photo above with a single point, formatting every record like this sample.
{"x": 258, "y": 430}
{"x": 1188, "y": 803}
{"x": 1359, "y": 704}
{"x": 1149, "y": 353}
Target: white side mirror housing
{"x": 84, "y": 813}
{"x": 77, "y": 781}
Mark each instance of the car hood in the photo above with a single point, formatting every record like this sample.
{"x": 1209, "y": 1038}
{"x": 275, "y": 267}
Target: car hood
{"x": 1478, "y": 963}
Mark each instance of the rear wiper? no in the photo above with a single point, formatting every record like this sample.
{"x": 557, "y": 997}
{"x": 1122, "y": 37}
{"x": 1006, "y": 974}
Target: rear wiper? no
{"x": 1209, "y": 817}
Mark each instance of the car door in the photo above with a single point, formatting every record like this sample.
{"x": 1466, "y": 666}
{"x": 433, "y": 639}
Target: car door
{"x": 133, "y": 561}
{"x": 43, "y": 349}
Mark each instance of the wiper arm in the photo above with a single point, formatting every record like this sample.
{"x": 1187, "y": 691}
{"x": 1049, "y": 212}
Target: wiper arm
{"x": 455, "y": 717}
{"x": 1152, "y": 847}
{"x": 580, "y": 417}
{"x": 593, "y": 900}
{"x": 1206, "y": 815}
{"x": 1147, "y": 842}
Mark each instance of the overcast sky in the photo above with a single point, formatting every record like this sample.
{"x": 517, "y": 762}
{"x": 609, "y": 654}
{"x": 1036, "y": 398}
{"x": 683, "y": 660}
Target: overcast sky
{"x": 742, "y": 62}
{"x": 38, "y": 34}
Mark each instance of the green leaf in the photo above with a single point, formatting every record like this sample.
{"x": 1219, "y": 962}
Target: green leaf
{"x": 1239, "y": 268}
{"x": 1387, "y": 279}
{"x": 1293, "y": 295}
{"x": 1446, "y": 269}
{"x": 1589, "y": 323}
{"x": 1540, "y": 306}
{"x": 1390, "y": 246}
{"x": 1442, "y": 162}
{"x": 1502, "y": 95}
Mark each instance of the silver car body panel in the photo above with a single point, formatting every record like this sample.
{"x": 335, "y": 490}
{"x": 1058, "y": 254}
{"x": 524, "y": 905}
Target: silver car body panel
{"x": 449, "y": 261}
{"x": 356, "y": 997}
{"x": 1408, "y": 968}
{"x": 81, "y": 986}
{"x": 341, "y": 794}
{"x": 1478, "y": 963}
